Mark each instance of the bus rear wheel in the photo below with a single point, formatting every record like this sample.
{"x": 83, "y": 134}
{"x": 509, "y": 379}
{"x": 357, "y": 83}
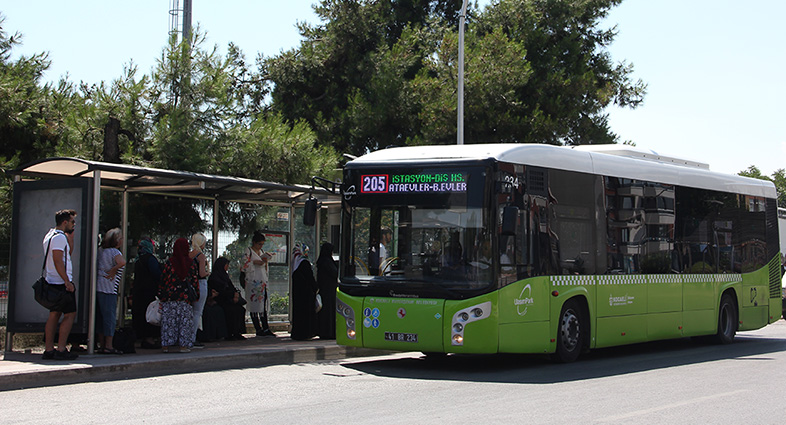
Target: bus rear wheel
{"x": 570, "y": 333}
{"x": 727, "y": 320}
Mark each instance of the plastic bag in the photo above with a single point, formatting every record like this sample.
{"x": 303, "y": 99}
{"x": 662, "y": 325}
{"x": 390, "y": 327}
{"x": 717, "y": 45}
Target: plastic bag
{"x": 153, "y": 313}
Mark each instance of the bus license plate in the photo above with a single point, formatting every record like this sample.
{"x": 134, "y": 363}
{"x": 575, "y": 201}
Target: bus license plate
{"x": 402, "y": 337}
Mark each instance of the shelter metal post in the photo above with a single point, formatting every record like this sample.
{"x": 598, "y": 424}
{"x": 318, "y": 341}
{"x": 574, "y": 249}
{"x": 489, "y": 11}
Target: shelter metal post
{"x": 289, "y": 260}
{"x": 9, "y": 336}
{"x": 124, "y": 248}
{"x": 318, "y": 231}
{"x": 91, "y": 325}
{"x": 215, "y": 229}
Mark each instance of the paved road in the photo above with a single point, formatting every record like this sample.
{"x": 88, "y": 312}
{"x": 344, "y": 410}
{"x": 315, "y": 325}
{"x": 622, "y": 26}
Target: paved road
{"x": 673, "y": 382}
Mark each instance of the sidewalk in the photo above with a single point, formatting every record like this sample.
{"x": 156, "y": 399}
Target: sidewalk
{"x": 22, "y": 370}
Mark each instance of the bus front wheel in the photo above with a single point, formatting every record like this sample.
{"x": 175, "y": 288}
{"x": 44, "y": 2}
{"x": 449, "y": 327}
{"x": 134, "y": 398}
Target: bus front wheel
{"x": 727, "y": 320}
{"x": 570, "y": 333}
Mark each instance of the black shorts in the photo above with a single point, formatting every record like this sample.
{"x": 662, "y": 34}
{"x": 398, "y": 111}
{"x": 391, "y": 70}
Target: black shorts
{"x": 67, "y": 301}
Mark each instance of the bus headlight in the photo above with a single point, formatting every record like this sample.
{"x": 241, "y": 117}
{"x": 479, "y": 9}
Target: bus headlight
{"x": 349, "y": 317}
{"x": 464, "y": 317}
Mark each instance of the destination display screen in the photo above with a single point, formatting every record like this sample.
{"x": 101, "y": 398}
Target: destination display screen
{"x": 422, "y": 183}
{"x": 422, "y": 186}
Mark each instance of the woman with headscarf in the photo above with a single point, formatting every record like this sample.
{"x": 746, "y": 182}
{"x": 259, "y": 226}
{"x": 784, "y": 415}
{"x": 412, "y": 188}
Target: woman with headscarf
{"x": 147, "y": 277}
{"x": 304, "y": 290}
{"x": 327, "y": 280}
{"x": 228, "y": 297}
{"x": 177, "y": 314}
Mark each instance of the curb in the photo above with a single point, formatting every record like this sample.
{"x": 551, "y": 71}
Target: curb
{"x": 176, "y": 364}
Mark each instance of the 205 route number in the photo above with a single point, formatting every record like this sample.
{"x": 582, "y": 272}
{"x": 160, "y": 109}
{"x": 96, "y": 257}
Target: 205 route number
{"x": 376, "y": 183}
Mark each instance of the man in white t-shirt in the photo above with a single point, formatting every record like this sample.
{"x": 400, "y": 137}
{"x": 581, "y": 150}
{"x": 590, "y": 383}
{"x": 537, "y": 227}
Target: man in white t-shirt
{"x": 387, "y": 236}
{"x": 58, "y": 247}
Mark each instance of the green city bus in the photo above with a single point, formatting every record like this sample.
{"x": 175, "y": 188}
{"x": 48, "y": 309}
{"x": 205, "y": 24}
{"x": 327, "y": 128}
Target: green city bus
{"x": 526, "y": 248}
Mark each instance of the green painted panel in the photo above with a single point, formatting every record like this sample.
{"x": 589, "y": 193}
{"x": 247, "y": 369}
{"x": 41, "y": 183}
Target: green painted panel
{"x": 758, "y": 277}
{"x": 664, "y": 293}
{"x": 621, "y": 330}
{"x": 348, "y": 320}
{"x": 776, "y": 309}
{"x": 664, "y": 325}
{"x": 755, "y": 296}
{"x": 480, "y": 333}
{"x": 699, "y": 292}
{"x": 622, "y": 295}
{"x": 525, "y": 301}
{"x": 414, "y": 324}
{"x": 754, "y": 317}
{"x": 699, "y": 322}
{"x": 530, "y": 337}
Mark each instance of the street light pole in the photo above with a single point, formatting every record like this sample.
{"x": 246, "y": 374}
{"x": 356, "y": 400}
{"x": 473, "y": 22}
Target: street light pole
{"x": 462, "y": 19}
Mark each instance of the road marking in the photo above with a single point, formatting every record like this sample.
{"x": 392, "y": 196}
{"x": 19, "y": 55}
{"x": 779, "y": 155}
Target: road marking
{"x": 670, "y": 406}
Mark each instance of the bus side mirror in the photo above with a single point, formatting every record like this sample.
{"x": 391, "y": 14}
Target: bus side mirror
{"x": 509, "y": 216}
{"x": 310, "y": 212}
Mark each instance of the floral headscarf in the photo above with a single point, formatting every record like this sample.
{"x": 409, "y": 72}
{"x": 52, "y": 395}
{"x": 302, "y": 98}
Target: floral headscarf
{"x": 299, "y": 254}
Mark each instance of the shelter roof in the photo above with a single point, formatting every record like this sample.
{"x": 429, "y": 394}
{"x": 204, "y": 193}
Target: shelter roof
{"x": 171, "y": 182}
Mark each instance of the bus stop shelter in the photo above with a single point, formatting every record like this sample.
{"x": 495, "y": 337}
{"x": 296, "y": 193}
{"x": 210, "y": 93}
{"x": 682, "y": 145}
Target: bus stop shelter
{"x": 48, "y": 185}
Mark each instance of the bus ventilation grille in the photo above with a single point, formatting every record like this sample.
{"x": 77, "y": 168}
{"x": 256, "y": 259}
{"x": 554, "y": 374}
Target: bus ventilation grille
{"x": 775, "y": 277}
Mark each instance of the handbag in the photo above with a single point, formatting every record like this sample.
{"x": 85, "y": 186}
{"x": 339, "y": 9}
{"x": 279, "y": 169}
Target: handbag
{"x": 153, "y": 312}
{"x": 318, "y": 303}
{"x": 242, "y": 277}
{"x": 49, "y": 296}
{"x": 191, "y": 292}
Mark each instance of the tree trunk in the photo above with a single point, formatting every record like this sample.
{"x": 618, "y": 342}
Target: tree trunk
{"x": 111, "y": 146}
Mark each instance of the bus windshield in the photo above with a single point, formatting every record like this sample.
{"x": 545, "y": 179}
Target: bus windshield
{"x": 422, "y": 246}
{"x": 417, "y": 244}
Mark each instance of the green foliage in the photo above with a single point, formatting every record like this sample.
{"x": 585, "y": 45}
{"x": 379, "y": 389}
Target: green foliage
{"x": 279, "y": 303}
{"x": 778, "y": 178}
{"x": 376, "y": 74}
{"x": 25, "y": 130}
{"x": 197, "y": 111}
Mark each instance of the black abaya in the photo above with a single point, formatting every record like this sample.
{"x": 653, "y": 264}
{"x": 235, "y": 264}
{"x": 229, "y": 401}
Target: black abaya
{"x": 327, "y": 280}
{"x": 304, "y": 289}
{"x": 234, "y": 313}
{"x": 147, "y": 276}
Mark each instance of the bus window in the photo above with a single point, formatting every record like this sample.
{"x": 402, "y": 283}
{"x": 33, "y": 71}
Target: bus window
{"x": 409, "y": 244}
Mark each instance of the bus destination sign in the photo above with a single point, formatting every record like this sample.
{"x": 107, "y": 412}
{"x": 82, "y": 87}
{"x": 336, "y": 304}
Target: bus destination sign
{"x": 414, "y": 183}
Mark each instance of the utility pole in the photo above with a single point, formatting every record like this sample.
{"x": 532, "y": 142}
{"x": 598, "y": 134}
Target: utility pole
{"x": 187, "y": 21}
{"x": 462, "y": 19}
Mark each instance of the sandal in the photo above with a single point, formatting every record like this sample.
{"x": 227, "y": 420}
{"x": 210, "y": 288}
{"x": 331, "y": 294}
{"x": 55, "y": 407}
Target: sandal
{"x": 110, "y": 351}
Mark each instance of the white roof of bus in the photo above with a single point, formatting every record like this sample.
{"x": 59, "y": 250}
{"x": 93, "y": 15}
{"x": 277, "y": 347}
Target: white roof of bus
{"x": 626, "y": 163}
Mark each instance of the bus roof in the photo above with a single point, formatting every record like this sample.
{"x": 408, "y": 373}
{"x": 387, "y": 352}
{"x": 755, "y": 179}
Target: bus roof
{"x": 624, "y": 163}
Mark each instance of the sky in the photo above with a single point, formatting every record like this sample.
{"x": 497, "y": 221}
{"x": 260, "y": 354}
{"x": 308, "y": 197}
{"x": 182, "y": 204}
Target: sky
{"x": 713, "y": 67}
